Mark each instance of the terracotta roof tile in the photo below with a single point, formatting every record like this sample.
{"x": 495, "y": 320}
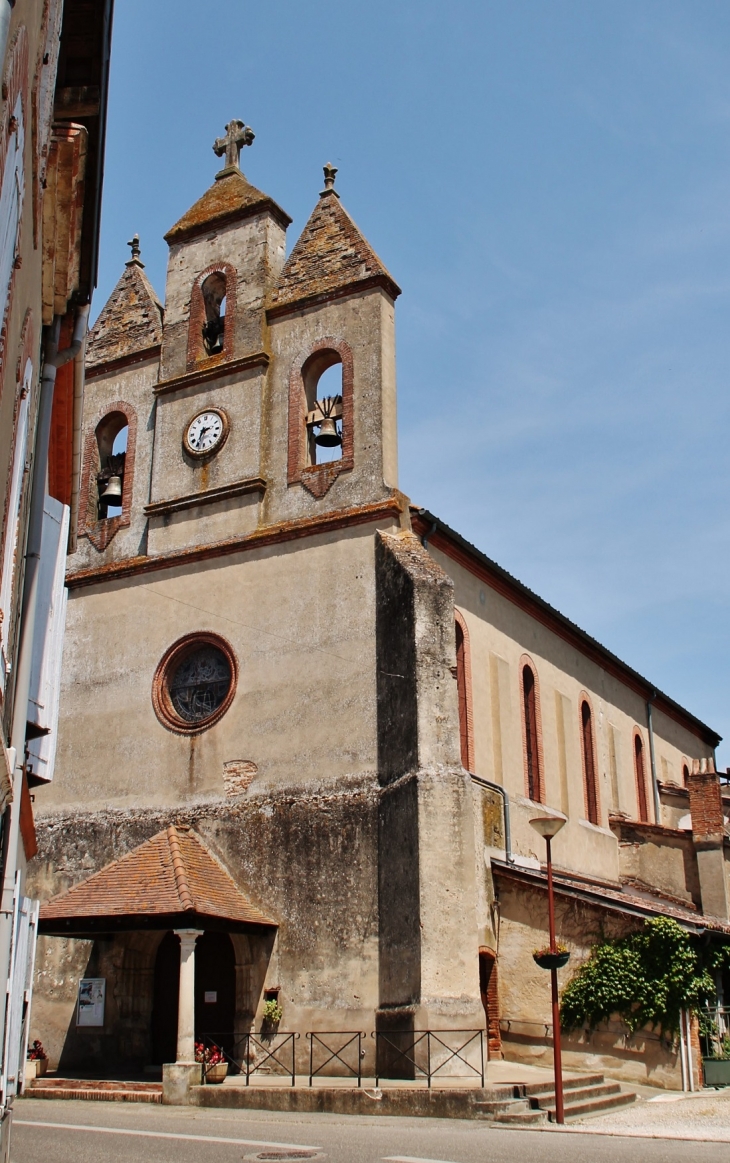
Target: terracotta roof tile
{"x": 170, "y": 875}
{"x": 330, "y": 255}
{"x": 229, "y": 199}
{"x": 130, "y": 321}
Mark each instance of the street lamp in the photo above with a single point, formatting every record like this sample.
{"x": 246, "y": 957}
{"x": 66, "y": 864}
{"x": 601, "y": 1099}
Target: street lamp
{"x": 548, "y": 827}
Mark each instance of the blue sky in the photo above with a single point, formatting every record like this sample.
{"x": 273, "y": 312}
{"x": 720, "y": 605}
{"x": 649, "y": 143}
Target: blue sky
{"x": 549, "y": 183}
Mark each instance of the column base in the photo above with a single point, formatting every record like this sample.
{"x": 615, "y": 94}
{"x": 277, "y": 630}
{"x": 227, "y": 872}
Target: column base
{"x": 177, "y": 1079}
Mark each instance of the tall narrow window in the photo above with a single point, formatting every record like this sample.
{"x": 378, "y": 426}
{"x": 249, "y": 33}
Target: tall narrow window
{"x": 214, "y": 300}
{"x": 685, "y": 775}
{"x": 532, "y": 751}
{"x": 641, "y": 798}
{"x": 463, "y": 687}
{"x": 589, "y": 762}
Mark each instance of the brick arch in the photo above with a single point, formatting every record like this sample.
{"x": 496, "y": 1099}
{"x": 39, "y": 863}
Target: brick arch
{"x": 535, "y": 781}
{"x": 196, "y": 353}
{"x": 100, "y": 531}
{"x": 464, "y": 688}
{"x": 319, "y": 478}
{"x": 589, "y": 760}
{"x": 638, "y": 758}
{"x": 489, "y": 990}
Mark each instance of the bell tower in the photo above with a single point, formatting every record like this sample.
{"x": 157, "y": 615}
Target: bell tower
{"x": 226, "y": 254}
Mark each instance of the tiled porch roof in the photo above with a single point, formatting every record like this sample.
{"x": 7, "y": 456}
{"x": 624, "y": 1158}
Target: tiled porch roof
{"x": 172, "y": 880}
{"x": 621, "y": 898}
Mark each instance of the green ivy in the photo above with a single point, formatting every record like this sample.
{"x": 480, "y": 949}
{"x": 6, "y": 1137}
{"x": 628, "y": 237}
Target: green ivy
{"x": 646, "y": 978}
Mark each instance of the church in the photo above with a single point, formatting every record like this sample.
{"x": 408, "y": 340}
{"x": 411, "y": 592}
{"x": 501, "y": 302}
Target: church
{"x": 305, "y": 725}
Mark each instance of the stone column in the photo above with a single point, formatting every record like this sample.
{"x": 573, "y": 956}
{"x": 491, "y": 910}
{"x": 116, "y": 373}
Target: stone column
{"x": 178, "y": 1077}
{"x": 186, "y": 1005}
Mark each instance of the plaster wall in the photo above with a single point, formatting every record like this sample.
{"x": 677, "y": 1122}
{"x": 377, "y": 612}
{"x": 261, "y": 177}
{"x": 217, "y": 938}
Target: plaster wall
{"x": 661, "y": 858}
{"x": 500, "y": 633}
{"x": 301, "y": 620}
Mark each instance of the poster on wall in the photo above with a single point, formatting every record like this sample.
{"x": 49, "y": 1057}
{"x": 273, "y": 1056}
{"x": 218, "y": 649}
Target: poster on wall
{"x": 90, "y": 1008}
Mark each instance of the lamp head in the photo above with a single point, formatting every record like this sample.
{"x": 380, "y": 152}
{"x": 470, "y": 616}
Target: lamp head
{"x": 548, "y": 826}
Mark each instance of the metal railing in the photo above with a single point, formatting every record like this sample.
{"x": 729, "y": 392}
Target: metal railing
{"x": 250, "y": 1053}
{"x": 329, "y": 1045}
{"x": 413, "y": 1054}
{"x": 715, "y": 1032}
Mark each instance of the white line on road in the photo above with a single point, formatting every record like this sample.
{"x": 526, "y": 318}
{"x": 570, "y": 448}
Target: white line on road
{"x": 411, "y": 1159}
{"x": 161, "y": 1135}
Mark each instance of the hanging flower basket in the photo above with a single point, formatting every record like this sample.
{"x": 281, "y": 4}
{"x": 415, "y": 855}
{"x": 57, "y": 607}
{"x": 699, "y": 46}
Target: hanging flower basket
{"x": 549, "y": 960}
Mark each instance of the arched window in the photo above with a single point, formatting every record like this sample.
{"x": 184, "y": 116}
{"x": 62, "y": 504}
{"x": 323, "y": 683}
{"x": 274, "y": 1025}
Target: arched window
{"x": 531, "y": 737}
{"x": 685, "y": 774}
{"x": 213, "y": 290}
{"x": 463, "y": 686}
{"x": 589, "y": 763}
{"x": 112, "y": 434}
{"x": 641, "y": 797}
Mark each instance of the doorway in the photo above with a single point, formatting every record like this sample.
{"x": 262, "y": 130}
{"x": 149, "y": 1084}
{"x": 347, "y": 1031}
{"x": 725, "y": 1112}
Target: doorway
{"x": 215, "y": 989}
{"x": 490, "y": 1001}
{"x": 165, "y": 999}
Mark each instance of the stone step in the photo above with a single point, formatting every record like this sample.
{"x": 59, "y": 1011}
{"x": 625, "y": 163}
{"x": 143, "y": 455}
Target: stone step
{"x": 596, "y": 1106}
{"x": 525, "y": 1118}
{"x": 570, "y": 1082}
{"x": 576, "y": 1096}
{"x": 94, "y": 1090}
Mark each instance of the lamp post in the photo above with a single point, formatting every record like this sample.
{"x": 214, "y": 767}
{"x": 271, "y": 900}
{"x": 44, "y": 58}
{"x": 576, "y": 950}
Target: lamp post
{"x": 548, "y": 827}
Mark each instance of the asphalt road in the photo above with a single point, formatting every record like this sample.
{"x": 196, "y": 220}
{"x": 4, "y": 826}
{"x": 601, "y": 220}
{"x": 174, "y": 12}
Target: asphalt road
{"x": 84, "y": 1132}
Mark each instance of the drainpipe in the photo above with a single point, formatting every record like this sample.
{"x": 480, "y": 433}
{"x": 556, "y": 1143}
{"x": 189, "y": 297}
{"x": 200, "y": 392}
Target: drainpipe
{"x": 78, "y": 415}
{"x": 427, "y": 536}
{"x": 652, "y": 759}
{"x": 505, "y": 803}
{"x": 53, "y": 359}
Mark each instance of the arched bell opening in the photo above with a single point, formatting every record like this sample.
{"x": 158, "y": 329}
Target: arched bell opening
{"x": 213, "y": 290}
{"x": 112, "y": 434}
{"x": 322, "y": 375}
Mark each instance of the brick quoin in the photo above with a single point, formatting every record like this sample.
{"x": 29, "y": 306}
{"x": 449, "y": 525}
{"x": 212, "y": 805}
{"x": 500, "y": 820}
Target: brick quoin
{"x": 489, "y": 989}
{"x": 705, "y": 802}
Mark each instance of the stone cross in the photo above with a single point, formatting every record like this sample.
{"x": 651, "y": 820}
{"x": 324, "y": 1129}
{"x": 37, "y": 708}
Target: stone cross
{"x": 330, "y": 172}
{"x": 136, "y": 252}
{"x": 237, "y": 135}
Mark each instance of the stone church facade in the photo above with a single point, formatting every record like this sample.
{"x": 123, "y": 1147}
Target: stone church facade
{"x": 284, "y": 679}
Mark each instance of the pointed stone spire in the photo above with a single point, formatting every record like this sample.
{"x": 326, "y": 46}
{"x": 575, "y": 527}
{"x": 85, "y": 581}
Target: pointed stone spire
{"x": 330, "y": 257}
{"x": 131, "y": 320}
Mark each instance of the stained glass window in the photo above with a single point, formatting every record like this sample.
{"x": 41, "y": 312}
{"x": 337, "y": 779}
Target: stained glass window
{"x": 200, "y": 684}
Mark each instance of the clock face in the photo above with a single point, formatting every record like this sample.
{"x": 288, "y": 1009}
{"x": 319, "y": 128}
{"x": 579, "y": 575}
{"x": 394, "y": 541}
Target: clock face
{"x": 205, "y": 433}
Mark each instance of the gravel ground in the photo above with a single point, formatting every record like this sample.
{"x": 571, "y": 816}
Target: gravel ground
{"x": 705, "y": 1115}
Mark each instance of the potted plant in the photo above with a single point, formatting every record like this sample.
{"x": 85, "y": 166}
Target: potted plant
{"x": 551, "y": 958}
{"x": 215, "y": 1066}
{"x": 37, "y": 1062}
{"x": 272, "y": 1015}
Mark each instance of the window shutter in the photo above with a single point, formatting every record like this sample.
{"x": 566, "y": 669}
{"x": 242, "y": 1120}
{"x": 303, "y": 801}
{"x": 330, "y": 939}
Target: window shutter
{"x": 45, "y": 679}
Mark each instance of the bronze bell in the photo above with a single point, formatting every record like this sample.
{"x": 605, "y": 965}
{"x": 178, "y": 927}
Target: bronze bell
{"x": 112, "y": 494}
{"x": 328, "y": 436}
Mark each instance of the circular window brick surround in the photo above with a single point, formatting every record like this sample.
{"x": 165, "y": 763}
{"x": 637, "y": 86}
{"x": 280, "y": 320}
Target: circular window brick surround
{"x": 216, "y": 655}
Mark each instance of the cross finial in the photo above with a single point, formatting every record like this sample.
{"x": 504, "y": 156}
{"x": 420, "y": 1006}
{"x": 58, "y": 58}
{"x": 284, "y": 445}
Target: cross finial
{"x": 136, "y": 252}
{"x": 237, "y": 136}
{"x": 329, "y": 179}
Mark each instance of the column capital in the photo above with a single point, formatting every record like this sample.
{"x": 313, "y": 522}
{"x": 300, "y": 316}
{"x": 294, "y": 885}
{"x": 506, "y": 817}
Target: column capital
{"x": 188, "y": 937}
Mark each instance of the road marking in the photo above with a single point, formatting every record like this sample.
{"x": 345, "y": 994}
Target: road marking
{"x": 161, "y": 1135}
{"x": 411, "y": 1159}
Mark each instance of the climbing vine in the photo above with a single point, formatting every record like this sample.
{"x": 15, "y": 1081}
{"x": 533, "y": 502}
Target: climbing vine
{"x": 646, "y": 978}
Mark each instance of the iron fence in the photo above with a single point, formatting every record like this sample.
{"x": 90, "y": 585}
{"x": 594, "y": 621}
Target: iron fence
{"x": 415, "y": 1054}
{"x": 250, "y": 1053}
{"x": 329, "y": 1046}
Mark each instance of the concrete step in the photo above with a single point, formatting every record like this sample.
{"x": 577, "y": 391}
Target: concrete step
{"x": 521, "y": 1113}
